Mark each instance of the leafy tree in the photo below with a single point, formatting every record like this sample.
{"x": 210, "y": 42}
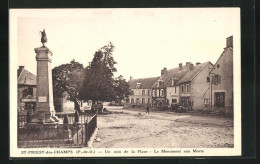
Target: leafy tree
{"x": 98, "y": 84}
{"x": 68, "y": 77}
{"x": 121, "y": 88}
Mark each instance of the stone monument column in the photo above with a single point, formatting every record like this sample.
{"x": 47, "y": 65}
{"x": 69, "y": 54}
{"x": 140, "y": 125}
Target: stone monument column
{"x": 44, "y": 92}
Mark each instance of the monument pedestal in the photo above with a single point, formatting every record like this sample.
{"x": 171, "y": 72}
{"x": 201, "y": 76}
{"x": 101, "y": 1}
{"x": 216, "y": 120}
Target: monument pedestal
{"x": 44, "y": 112}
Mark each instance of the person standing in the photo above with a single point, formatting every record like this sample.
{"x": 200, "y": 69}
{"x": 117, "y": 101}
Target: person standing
{"x": 147, "y": 109}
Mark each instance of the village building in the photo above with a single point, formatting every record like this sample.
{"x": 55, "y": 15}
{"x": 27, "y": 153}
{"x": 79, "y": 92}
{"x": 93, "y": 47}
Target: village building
{"x": 193, "y": 86}
{"x": 222, "y": 79}
{"x": 26, "y": 87}
{"x": 164, "y": 91}
{"x": 141, "y": 91}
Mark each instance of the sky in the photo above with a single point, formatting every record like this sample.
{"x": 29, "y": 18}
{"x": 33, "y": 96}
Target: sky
{"x": 145, "y": 40}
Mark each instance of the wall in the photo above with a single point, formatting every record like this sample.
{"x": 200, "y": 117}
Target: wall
{"x": 200, "y": 86}
{"x": 159, "y": 100}
{"x": 225, "y": 70}
{"x": 21, "y": 98}
{"x": 170, "y": 91}
{"x": 137, "y": 93}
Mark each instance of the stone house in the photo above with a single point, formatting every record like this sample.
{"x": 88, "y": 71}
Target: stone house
{"x": 26, "y": 87}
{"x": 141, "y": 91}
{"x": 193, "y": 86}
{"x": 164, "y": 91}
{"x": 222, "y": 79}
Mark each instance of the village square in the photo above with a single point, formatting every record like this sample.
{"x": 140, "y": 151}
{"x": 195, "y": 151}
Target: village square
{"x": 126, "y": 85}
{"x": 187, "y": 106}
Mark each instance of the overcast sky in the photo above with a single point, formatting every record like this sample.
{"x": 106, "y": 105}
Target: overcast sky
{"x": 145, "y": 40}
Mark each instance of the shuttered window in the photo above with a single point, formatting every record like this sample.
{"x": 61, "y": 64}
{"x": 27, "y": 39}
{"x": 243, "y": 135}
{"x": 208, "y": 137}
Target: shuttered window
{"x": 216, "y": 79}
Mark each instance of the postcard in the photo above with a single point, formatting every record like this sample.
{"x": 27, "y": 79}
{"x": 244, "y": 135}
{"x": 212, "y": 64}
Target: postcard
{"x": 128, "y": 82}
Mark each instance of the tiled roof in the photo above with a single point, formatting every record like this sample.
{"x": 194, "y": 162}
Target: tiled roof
{"x": 145, "y": 83}
{"x": 193, "y": 73}
{"x": 26, "y": 78}
{"x": 174, "y": 73}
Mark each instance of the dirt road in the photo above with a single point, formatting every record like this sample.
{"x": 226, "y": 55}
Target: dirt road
{"x": 133, "y": 128}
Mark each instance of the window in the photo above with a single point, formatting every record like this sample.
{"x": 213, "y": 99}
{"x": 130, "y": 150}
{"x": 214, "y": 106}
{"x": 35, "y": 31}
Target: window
{"x": 148, "y": 92}
{"x": 188, "y": 88}
{"x": 159, "y": 83}
{"x": 206, "y": 101}
{"x": 138, "y": 85}
{"x": 132, "y": 101}
{"x": 162, "y": 92}
{"x": 182, "y": 88}
{"x": 208, "y": 79}
{"x": 174, "y": 89}
{"x": 143, "y": 100}
{"x": 137, "y": 100}
{"x": 174, "y": 100}
{"x": 154, "y": 92}
{"x": 167, "y": 101}
{"x": 30, "y": 106}
{"x": 148, "y": 101}
{"x": 216, "y": 79}
{"x": 158, "y": 93}
{"x": 143, "y": 92}
{"x": 30, "y": 91}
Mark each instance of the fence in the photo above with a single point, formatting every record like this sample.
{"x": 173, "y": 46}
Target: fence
{"x": 21, "y": 120}
{"x": 56, "y": 135}
{"x": 90, "y": 127}
{"x": 83, "y": 117}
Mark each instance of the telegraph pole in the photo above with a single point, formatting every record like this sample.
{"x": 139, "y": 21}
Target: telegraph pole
{"x": 210, "y": 83}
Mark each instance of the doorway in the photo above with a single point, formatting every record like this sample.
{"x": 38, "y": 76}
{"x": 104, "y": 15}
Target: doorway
{"x": 219, "y": 99}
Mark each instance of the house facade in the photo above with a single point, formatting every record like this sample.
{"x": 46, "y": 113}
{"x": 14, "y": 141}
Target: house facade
{"x": 141, "y": 91}
{"x": 26, "y": 96}
{"x": 165, "y": 91}
{"x": 194, "y": 86}
{"x": 222, "y": 79}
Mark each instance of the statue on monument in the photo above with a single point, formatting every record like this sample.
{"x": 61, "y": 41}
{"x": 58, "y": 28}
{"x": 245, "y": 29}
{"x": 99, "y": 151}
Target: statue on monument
{"x": 44, "y": 112}
{"x": 44, "y": 37}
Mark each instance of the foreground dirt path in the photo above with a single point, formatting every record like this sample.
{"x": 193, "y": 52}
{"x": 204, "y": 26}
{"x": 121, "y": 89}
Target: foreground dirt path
{"x": 125, "y": 128}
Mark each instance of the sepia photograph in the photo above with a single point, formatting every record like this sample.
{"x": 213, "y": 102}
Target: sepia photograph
{"x": 128, "y": 82}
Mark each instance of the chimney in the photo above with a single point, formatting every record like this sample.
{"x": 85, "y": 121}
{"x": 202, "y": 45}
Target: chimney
{"x": 180, "y": 66}
{"x": 131, "y": 77}
{"x": 229, "y": 42}
{"x": 163, "y": 71}
{"x": 19, "y": 70}
{"x": 191, "y": 66}
{"x": 198, "y": 63}
{"x": 21, "y": 67}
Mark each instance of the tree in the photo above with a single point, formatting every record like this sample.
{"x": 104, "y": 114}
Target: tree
{"x": 98, "y": 84}
{"x": 68, "y": 77}
{"x": 121, "y": 87}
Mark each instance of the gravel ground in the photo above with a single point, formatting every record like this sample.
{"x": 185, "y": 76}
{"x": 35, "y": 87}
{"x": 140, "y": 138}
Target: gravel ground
{"x": 133, "y": 128}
